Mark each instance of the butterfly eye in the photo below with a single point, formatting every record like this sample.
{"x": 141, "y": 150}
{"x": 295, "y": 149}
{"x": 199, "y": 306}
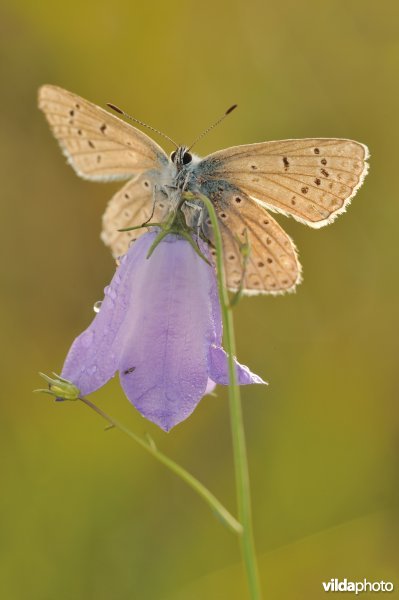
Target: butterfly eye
{"x": 187, "y": 158}
{"x": 173, "y": 156}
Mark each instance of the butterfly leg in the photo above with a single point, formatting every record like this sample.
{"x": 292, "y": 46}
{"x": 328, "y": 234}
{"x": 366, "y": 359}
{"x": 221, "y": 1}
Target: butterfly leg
{"x": 155, "y": 202}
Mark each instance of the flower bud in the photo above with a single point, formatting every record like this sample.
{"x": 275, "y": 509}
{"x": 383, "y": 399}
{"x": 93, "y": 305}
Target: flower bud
{"x": 59, "y": 387}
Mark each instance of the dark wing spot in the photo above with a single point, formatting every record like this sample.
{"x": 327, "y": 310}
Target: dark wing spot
{"x": 146, "y": 184}
{"x": 71, "y": 112}
{"x": 286, "y": 163}
{"x": 79, "y": 132}
{"x": 304, "y": 190}
{"x": 323, "y": 161}
{"x": 237, "y": 199}
{"x": 77, "y": 106}
{"x": 293, "y": 202}
{"x": 324, "y": 172}
{"x": 261, "y": 264}
{"x": 90, "y": 143}
{"x": 268, "y": 241}
{"x": 231, "y": 257}
{"x": 127, "y": 196}
{"x": 316, "y": 151}
{"x": 269, "y": 260}
{"x": 265, "y": 222}
{"x": 254, "y": 167}
{"x": 103, "y": 128}
{"x": 317, "y": 181}
{"x": 98, "y": 158}
{"x": 223, "y": 216}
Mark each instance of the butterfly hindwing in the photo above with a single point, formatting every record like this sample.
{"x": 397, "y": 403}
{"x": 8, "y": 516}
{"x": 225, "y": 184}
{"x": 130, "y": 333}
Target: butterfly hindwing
{"x": 311, "y": 179}
{"x": 273, "y": 266}
{"x": 138, "y": 201}
{"x": 98, "y": 145}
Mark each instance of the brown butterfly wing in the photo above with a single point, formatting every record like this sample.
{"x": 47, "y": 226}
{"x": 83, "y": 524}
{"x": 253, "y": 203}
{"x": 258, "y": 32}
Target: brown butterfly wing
{"x": 132, "y": 206}
{"x": 311, "y": 179}
{"x": 273, "y": 265}
{"x": 98, "y": 145}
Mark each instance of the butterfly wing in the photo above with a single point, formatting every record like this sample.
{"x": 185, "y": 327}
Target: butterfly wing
{"x": 273, "y": 265}
{"x": 312, "y": 180}
{"x": 98, "y": 145}
{"x": 132, "y": 206}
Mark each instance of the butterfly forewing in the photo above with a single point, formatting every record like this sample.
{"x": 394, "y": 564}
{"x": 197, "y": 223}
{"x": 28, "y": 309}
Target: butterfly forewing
{"x": 97, "y": 144}
{"x": 273, "y": 266}
{"x": 310, "y": 179}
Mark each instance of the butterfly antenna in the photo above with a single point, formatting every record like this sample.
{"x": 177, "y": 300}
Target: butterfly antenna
{"x": 228, "y": 111}
{"x": 122, "y": 112}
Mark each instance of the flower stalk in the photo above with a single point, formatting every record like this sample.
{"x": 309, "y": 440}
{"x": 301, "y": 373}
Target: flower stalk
{"x": 237, "y": 425}
{"x": 149, "y": 445}
{"x": 63, "y": 389}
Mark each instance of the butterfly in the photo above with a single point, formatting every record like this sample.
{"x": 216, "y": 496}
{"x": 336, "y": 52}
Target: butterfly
{"x": 312, "y": 180}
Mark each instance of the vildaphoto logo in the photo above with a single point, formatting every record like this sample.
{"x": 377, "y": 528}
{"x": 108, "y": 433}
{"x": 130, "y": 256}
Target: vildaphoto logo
{"x": 335, "y": 585}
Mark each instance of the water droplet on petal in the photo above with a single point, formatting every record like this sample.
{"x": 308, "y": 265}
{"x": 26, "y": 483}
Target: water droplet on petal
{"x": 97, "y": 306}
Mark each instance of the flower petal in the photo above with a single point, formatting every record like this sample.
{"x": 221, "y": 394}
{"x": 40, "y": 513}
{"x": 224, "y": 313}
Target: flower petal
{"x": 210, "y": 386}
{"x": 94, "y": 355}
{"x": 214, "y": 299}
{"x": 164, "y": 359}
{"x": 219, "y": 371}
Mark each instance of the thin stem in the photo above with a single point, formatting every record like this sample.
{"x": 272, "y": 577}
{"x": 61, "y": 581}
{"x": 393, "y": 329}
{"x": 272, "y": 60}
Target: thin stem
{"x": 237, "y": 425}
{"x": 216, "y": 506}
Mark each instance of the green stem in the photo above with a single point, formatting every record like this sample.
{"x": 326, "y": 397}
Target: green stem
{"x": 237, "y": 425}
{"x": 196, "y": 485}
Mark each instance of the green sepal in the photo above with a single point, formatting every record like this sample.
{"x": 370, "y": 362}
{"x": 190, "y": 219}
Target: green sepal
{"x": 60, "y": 387}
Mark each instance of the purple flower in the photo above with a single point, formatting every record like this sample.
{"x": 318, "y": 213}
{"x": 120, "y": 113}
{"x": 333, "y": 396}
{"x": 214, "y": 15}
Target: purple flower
{"x": 160, "y": 326}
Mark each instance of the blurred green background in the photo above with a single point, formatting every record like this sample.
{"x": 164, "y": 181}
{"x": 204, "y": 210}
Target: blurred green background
{"x": 87, "y": 514}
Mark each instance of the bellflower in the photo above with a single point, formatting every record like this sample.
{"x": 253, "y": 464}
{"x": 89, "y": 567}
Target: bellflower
{"x": 160, "y": 326}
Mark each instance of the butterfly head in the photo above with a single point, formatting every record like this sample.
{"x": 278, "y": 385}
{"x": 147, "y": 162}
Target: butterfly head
{"x": 181, "y": 157}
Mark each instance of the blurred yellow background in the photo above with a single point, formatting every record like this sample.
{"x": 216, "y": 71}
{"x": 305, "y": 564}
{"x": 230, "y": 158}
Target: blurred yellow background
{"x": 85, "y": 513}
